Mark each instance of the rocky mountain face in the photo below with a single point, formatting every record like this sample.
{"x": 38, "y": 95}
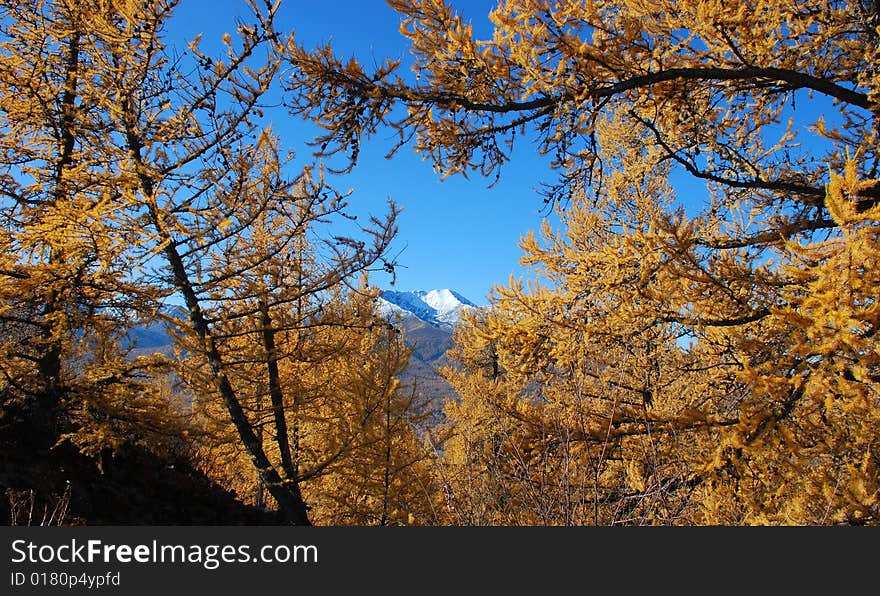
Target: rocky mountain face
{"x": 437, "y": 308}
{"x": 427, "y": 319}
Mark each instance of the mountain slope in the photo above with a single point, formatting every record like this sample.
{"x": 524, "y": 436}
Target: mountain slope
{"x": 427, "y": 319}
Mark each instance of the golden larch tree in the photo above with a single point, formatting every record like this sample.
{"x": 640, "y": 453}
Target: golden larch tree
{"x": 741, "y": 325}
{"x": 134, "y": 172}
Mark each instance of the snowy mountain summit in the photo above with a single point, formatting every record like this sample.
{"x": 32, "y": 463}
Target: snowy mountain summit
{"x": 439, "y": 308}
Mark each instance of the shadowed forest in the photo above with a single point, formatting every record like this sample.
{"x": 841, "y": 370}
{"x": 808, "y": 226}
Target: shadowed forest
{"x": 683, "y": 353}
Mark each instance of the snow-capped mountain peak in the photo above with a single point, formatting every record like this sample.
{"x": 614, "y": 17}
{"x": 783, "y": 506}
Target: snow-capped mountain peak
{"x": 440, "y": 308}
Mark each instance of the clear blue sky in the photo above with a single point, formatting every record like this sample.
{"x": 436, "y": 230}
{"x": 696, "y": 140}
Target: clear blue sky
{"x": 456, "y": 234}
{"x": 459, "y": 233}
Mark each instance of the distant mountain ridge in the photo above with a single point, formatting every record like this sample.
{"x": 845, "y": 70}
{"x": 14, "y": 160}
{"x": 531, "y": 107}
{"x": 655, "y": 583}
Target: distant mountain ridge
{"x": 427, "y": 319}
{"x": 440, "y": 308}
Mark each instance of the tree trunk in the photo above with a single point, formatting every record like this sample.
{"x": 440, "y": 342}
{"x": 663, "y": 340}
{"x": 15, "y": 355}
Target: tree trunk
{"x": 285, "y": 492}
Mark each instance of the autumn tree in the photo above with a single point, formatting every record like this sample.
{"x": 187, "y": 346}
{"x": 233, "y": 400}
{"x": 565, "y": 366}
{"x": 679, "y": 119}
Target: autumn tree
{"x": 573, "y": 407}
{"x": 65, "y": 294}
{"x": 135, "y": 172}
{"x": 737, "y": 322}
{"x": 354, "y": 432}
{"x": 384, "y": 474}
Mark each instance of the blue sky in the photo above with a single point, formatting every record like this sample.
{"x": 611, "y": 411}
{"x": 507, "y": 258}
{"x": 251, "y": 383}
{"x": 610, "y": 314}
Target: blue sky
{"x": 458, "y": 233}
